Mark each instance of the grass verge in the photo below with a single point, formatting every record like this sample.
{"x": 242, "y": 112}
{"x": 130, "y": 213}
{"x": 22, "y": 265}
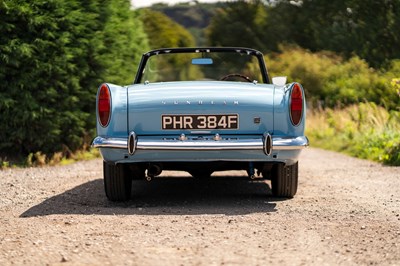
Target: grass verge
{"x": 40, "y": 159}
{"x": 364, "y": 130}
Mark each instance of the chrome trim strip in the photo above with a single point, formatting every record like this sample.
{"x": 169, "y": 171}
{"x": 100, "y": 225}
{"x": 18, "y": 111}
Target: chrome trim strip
{"x": 278, "y": 143}
{"x": 117, "y": 143}
{"x": 245, "y": 144}
{"x": 289, "y": 143}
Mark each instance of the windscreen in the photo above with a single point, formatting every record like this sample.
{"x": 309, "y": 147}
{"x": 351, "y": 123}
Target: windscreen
{"x": 202, "y": 66}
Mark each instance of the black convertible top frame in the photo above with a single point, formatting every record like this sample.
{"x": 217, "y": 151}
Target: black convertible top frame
{"x": 244, "y": 50}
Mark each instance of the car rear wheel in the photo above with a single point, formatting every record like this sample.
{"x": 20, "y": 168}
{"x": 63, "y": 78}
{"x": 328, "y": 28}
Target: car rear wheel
{"x": 117, "y": 182}
{"x": 284, "y": 180}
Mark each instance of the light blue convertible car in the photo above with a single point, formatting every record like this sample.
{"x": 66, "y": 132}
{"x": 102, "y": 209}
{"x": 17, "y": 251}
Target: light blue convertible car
{"x": 201, "y": 110}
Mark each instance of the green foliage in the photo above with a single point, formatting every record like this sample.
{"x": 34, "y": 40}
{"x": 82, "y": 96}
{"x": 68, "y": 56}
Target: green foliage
{"x": 123, "y": 41}
{"x": 329, "y": 80}
{"x": 164, "y": 32}
{"x": 366, "y": 28}
{"x": 53, "y": 55}
{"x": 364, "y": 130}
{"x": 396, "y": 85}
{"x": 4, "y": 163}
{"x": 240, "y": 23}
{"x": 193, "y": 16}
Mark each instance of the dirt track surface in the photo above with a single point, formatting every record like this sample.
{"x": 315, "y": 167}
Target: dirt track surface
{"x": 346, "y": 212}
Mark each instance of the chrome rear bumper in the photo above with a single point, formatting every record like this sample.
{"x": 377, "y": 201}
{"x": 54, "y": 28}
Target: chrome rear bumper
{"x": 267, "y": 143}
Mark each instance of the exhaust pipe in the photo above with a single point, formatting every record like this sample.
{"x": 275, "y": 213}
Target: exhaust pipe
{"x": 153, "y": 170}
{"x": 251, "y": 172}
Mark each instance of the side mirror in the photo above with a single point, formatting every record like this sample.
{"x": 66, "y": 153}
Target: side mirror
{"x": 279, "y": 81}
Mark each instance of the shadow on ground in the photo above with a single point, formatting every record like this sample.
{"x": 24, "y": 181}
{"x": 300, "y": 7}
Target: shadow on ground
{"x": 165, "y": 196}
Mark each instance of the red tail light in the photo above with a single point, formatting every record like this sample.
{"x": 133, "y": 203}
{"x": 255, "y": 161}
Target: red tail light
{"x": 104, "y": 105}
{"x": 296, "y": 104}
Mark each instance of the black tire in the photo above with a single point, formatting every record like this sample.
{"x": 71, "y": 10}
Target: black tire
{"x": 117, "y": 182}
{"x": 284, "y": 180}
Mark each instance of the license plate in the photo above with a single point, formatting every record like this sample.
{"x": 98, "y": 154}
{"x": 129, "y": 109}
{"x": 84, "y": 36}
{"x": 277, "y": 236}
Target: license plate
{"x": 225, "y": 121}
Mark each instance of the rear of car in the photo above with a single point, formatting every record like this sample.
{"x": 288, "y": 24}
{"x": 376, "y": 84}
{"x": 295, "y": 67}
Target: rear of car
{"x": 200, "y": 110}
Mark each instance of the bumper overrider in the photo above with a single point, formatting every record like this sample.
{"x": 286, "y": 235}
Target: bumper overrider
{"x": 267, "y": 143}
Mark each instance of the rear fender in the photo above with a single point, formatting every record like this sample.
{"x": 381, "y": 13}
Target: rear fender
{"x": 282, "y": 121}
{"x": 117, "y": 127}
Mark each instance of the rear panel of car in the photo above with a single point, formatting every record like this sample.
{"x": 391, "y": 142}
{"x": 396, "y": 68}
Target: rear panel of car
{"x": 200, "y": 108}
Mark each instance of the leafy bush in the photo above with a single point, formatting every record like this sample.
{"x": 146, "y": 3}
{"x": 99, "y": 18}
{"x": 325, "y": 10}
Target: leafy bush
{"x": 396, "y": 85}
{"x": 334, "y": 88}
{"x": 164, "y": 32}
{"x": 329, "y": 80}
{"x": 53, "y": 56}
{"x": 240, "y": 23}
{"x": 364, "y": 130}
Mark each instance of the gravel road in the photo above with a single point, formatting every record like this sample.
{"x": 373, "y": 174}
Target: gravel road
{"x": 346, "y": 212}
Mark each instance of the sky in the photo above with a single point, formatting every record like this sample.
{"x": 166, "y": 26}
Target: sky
{"x": 143, "y": 3}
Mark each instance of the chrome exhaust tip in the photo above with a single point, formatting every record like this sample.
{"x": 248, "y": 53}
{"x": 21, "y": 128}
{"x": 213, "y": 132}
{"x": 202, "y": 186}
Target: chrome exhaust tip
{"x": 154, "y": 170}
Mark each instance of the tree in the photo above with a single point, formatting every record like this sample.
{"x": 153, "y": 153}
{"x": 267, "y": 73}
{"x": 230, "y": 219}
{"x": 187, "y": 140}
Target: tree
{"x": 369, "y": 29}
{"x": 164, "y": 32}
{"x": 123, "y": 41}
{"x": 53, "y": 56}
{"x": 193, "y": 16}
{"x": 240, "y": 23}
